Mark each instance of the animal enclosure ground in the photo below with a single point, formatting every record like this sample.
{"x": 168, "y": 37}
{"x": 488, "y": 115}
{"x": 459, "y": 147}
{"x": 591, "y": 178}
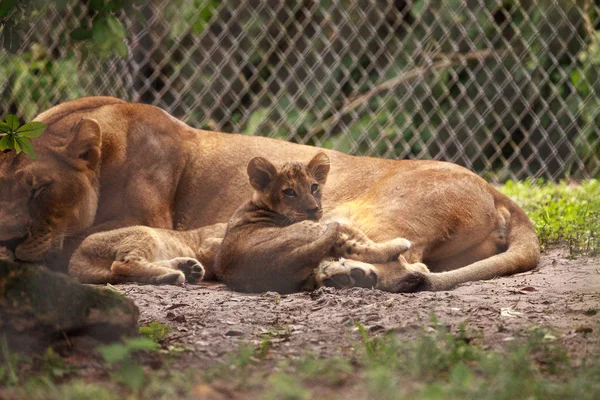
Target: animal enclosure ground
{"x": 212, "y": 320}
{"x": 366, "y": 343}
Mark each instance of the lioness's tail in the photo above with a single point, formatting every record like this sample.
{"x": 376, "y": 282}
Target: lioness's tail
{"x": 522, "y": 254}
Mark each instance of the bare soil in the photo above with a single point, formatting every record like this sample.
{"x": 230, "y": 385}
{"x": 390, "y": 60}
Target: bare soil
{"x": 562, "y": 293}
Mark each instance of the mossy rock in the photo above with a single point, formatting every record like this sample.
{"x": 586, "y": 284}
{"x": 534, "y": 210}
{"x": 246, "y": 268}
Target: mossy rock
{"x": 38, "y": 307}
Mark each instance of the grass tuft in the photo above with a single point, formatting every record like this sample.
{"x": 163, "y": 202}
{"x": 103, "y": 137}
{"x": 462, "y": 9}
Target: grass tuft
{"x": 561, "y": 212}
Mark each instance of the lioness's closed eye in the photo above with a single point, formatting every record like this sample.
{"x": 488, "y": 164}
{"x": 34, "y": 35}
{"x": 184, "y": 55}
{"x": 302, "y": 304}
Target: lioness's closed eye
{"x": 274, "y": 241}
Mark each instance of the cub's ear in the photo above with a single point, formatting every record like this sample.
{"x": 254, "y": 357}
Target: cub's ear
{"x": 319, "y": 167}
{"x": 85, "y": 142}
{"x": 260, "y": 172}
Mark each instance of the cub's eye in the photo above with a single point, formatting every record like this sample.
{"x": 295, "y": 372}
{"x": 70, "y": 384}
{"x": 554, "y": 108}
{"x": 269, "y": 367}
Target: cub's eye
{"x": 314, "y": 188}
{"x": 290, "y": 192}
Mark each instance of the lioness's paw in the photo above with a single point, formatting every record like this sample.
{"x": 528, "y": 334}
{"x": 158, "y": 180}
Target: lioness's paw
{"x": 344, "y": 273}
{"x": 413, "y": 282}
{"x": 192, "y": 269}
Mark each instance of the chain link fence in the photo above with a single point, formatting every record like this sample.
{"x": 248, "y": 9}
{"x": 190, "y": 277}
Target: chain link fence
{"x": 508, "y": 88}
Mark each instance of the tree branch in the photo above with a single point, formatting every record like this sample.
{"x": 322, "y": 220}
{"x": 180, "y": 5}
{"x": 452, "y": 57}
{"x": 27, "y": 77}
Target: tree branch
{"x": 448, "y": 61}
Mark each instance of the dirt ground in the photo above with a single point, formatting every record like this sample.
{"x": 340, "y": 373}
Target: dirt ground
{"x": 211, "y": 321}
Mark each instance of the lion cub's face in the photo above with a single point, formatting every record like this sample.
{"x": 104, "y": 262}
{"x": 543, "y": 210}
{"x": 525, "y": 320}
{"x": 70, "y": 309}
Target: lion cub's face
{"x": 294, "y": 190}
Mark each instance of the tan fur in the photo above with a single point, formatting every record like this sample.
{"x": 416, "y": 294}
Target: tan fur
{"x": 274, "y": 242}
{"x": 156, "y": 171}
{"x": 146, "y": 255}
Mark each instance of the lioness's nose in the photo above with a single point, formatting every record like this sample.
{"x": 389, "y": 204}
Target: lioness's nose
{"x": 12, "y": 226}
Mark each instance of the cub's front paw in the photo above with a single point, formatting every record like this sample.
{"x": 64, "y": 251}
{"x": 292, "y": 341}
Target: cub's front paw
{"x": 191, "y": 268}
{"x": 397, "y": 247}
{"x": 344, "y": 273}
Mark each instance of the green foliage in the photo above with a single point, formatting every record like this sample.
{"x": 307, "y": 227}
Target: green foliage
{"x": 195, "y": 16}
{"x": 105, "y": 31}
{"x": 54, "y": 365}
{"x": 130, "y": 372}
{"x": 16, "y": 137}
{"x": 155, "y": 331}
{"x": 9, "y": 364}
{"x": 331, "y": 371}
{"x": 236, "y": 364}
{"x": 443, "y": 365}
{"x": 73, "y": 390}
{"x": 286, "y": 387}
{"x": 561, "y": 212}
{"x": 34, "y": 80}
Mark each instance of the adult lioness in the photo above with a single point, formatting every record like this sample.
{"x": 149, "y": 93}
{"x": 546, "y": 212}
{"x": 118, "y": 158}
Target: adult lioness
{"x": 104, "y": 164}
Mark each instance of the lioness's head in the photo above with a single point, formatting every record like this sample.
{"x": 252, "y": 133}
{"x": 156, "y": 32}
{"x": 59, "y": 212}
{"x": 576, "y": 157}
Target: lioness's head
{"x": 294, "y": 190}
{"x": 55, "y": 195}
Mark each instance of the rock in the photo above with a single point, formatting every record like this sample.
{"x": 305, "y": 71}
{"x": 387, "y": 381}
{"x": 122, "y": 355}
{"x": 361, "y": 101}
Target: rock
{"x": 39, "y": 307}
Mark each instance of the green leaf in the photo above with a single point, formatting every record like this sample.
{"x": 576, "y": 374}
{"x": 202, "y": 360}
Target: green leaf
{"x": 26, "y": 146}
{"x": 7, "y": 143}
{"x": 155, "y": 331}
{"x": 4, "y": 128}
{"x": 113, "y": 353}
{"x": 32, "y": 129}
{"x": 97, "y": 5}
{"x": 81, "y": 33}
{"x": 132, "y": 375}
{"x": 121, "y": 49}
{"x": 16, "y": 145}
{"x": 141, "y": 344}
{"x": 100, "y": 31}
{"x": 116, "y": 27}
{"x": 12, "y": 121}
{"x": 115, "y": 5}
{"x": 6, "y": 6}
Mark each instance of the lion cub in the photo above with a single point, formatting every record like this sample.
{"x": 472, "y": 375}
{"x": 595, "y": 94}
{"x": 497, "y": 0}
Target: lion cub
{"x": 275, "y": 242}
{"x": 146, "y": 255}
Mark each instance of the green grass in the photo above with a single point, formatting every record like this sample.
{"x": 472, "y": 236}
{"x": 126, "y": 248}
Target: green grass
{"x": 562, "y": 213}
{"x": 439, "y": 364}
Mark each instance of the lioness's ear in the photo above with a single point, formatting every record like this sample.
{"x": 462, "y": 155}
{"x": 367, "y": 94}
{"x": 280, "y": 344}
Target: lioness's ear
{"x": 86, "y": 142}
{"x": 319, "y": 167}
{"x": 260, "y": 172}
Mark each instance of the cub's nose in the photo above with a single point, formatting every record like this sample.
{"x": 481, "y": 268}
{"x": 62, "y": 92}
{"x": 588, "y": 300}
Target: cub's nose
{"x": 312, "y": 210}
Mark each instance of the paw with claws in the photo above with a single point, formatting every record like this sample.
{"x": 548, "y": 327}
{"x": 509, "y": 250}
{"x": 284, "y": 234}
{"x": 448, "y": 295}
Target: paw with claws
{"x": 191, "y": 268}
{"x": 344, "y": 273}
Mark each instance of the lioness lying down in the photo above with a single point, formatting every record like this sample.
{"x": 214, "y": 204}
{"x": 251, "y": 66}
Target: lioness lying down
{"x": 274, "y": 242}
{"x": 104, "y": 164}
{"x": 146, "y": 255}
